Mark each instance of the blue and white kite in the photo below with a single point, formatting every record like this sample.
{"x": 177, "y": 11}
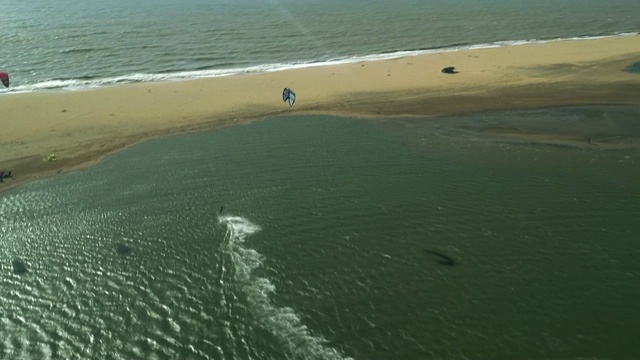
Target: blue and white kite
{"x": 287, "y": 94}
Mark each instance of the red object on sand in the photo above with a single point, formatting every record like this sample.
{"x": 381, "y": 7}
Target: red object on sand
{"x": 4, "y": 77}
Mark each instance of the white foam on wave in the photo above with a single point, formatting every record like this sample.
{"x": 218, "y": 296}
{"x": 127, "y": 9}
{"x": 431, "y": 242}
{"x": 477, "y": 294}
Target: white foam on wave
{"x": 75, "y": 84}
{"x": 282, "y": 322}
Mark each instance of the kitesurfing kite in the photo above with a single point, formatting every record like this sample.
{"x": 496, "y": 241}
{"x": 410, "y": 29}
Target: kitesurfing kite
{"x": 287, "y": 94}
{"x": 4, "y": 77}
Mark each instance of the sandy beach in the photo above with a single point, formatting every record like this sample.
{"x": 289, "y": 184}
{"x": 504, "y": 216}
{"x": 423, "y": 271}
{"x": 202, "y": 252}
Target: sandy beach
{"x": 83, "y": 126}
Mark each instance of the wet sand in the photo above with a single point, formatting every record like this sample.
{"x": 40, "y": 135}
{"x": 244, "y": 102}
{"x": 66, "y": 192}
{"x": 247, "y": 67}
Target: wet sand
{"x": 81, "y": 127}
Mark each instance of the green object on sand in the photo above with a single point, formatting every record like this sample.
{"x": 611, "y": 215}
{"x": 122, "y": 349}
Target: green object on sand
{"x": 51, "y": 157}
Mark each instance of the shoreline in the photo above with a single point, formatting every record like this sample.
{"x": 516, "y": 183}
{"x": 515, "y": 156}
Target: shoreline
{"x": 186, "y": 75}
{"x": 82, "y": 127}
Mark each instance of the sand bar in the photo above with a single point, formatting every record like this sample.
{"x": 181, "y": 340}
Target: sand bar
{"x": 82, "y": 126}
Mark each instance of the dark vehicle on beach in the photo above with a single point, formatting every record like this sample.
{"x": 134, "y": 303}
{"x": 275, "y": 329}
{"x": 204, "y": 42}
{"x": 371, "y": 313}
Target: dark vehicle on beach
{"x": 449, "y": 70}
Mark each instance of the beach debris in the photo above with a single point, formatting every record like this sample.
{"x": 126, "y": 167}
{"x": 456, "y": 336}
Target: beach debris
{"x": 4, "y": 77}
{"x": 51, "y": 158}
{"x": 19, "y": 266}
{"x": 450, "y": 70}
{"x": 288, "y": 94}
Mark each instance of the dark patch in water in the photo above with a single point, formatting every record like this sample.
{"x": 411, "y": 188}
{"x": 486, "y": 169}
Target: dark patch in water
{"x": 442, "y": 258}
{"x": 633, "y": 68}
{"x": 19, "y": 266}
{"x": 123, "y": 249}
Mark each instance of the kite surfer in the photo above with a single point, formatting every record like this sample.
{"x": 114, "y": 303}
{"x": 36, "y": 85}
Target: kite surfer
{"x": 288, "y": 95}
{"x": 4, "y": 175}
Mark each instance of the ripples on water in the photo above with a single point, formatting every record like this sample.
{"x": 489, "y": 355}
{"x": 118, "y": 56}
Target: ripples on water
{"x": 383, "y": 239}
{"x": 97, "y": 290}
{"x": 83, "y": 298}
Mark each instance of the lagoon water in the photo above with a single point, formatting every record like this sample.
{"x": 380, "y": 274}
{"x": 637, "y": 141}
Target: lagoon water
{"x": 339, "y": 238}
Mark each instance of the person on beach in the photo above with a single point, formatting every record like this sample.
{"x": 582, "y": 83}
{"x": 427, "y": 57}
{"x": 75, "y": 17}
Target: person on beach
{"x": 4, "y": 174}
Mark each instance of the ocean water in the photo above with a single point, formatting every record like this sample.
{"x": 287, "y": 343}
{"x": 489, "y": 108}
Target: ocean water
{"x": 87, "y": 43}
{"x": 335, "y": 238}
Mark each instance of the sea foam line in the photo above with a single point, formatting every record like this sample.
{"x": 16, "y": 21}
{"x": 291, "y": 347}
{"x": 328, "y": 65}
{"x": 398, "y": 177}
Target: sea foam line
{"x": 282, "y": 322}
{"x": 76, "y": 84}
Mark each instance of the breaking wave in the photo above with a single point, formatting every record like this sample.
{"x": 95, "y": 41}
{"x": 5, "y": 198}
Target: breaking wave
{"x": 94, "y": 82}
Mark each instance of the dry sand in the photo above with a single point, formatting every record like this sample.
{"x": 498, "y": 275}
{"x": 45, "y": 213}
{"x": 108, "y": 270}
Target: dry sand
{"x": 81, "y": 127}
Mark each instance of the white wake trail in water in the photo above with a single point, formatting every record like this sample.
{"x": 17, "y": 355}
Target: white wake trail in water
{"x": 282, "y": 322}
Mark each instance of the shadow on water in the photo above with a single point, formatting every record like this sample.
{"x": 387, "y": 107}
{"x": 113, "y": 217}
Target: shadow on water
{"x": 19, "y": 266}
{"x": 442, "y": 258}
{"x": 633, "y": 68}
{"x": 123, "y": 249}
